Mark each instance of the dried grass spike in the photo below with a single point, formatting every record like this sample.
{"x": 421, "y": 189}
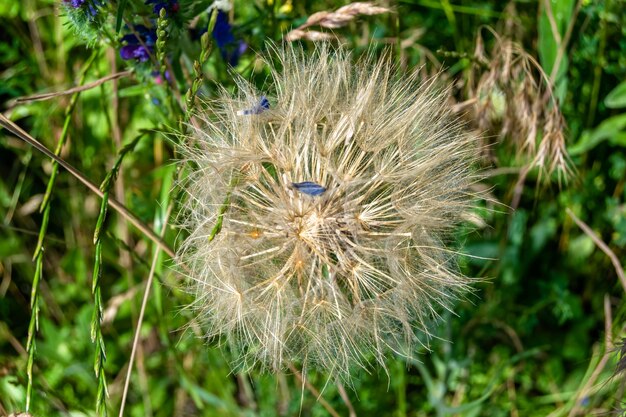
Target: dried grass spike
{"x": 333, "y": 20}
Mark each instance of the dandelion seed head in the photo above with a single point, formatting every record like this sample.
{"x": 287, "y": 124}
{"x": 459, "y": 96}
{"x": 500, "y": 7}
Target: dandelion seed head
{"x": 335, "y": 204}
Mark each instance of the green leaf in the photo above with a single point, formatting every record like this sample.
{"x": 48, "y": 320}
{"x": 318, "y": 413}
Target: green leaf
{"x": 616, "y": 99}
{"x": 120, "y": 15}
{"x": 580, "y": 248}
{"x": 611, "y": 129}
{"x": 10, "y": 9}
{"x": 549, "y": 42}
{"x": 132, "y": 91}
{"x": 200, "y": 396}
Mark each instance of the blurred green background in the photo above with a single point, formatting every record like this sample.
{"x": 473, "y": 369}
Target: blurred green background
{"x": 539, "y": 336}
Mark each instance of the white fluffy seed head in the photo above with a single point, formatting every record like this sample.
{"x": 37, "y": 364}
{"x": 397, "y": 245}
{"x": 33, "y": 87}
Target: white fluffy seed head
{"x": 342, "y": 278}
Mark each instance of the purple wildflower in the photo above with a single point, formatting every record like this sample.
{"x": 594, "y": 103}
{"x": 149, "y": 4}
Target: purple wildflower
{"x": 139, "y": 45}
{"x": 92, "y": 5}
{"x": 230, "y": 48}
{"x": 170, "y": 6}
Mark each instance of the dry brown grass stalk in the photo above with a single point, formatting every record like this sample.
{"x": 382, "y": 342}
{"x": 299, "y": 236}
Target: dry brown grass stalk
{"x": 511, "y": 97}
{"x": 333, "y": 20}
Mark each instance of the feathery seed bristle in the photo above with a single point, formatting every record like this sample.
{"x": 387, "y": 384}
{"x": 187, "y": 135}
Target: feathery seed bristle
{"x": 335, "y": 204}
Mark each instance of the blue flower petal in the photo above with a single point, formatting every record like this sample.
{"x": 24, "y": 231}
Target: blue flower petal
{"x": 309, "y": 187}
{"x": 138, "y": 52}
{"x": 230, "y": 48}
{"x": 259, "y": 108}
{"x": 169, "y": 6}
{"x": 264, "y": 103}
{"x": 222, "y": 31}
{"x": 130, "y": 39}
{"x": 136, "y": 49}
{"x": 92, "y": 5}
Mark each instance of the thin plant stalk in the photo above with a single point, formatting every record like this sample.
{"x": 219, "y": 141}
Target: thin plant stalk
{"x": 198, "y": 74}
{"x": 142, "y": 312}
{"x": 162, "y": 24}
{"x": 78, "y": 89}
{"x": 619, "y": 269}
{"x": 96, "y": 320}
{"x": 44, "y": 208}
{"x": 318, "y": 395}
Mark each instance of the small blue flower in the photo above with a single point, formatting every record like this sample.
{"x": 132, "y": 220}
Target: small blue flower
{"x": 309, "y": 187}
{"x": 230, "y": 48}
{"x": 258, "y": 108}
{"x": 136, "y": 49}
